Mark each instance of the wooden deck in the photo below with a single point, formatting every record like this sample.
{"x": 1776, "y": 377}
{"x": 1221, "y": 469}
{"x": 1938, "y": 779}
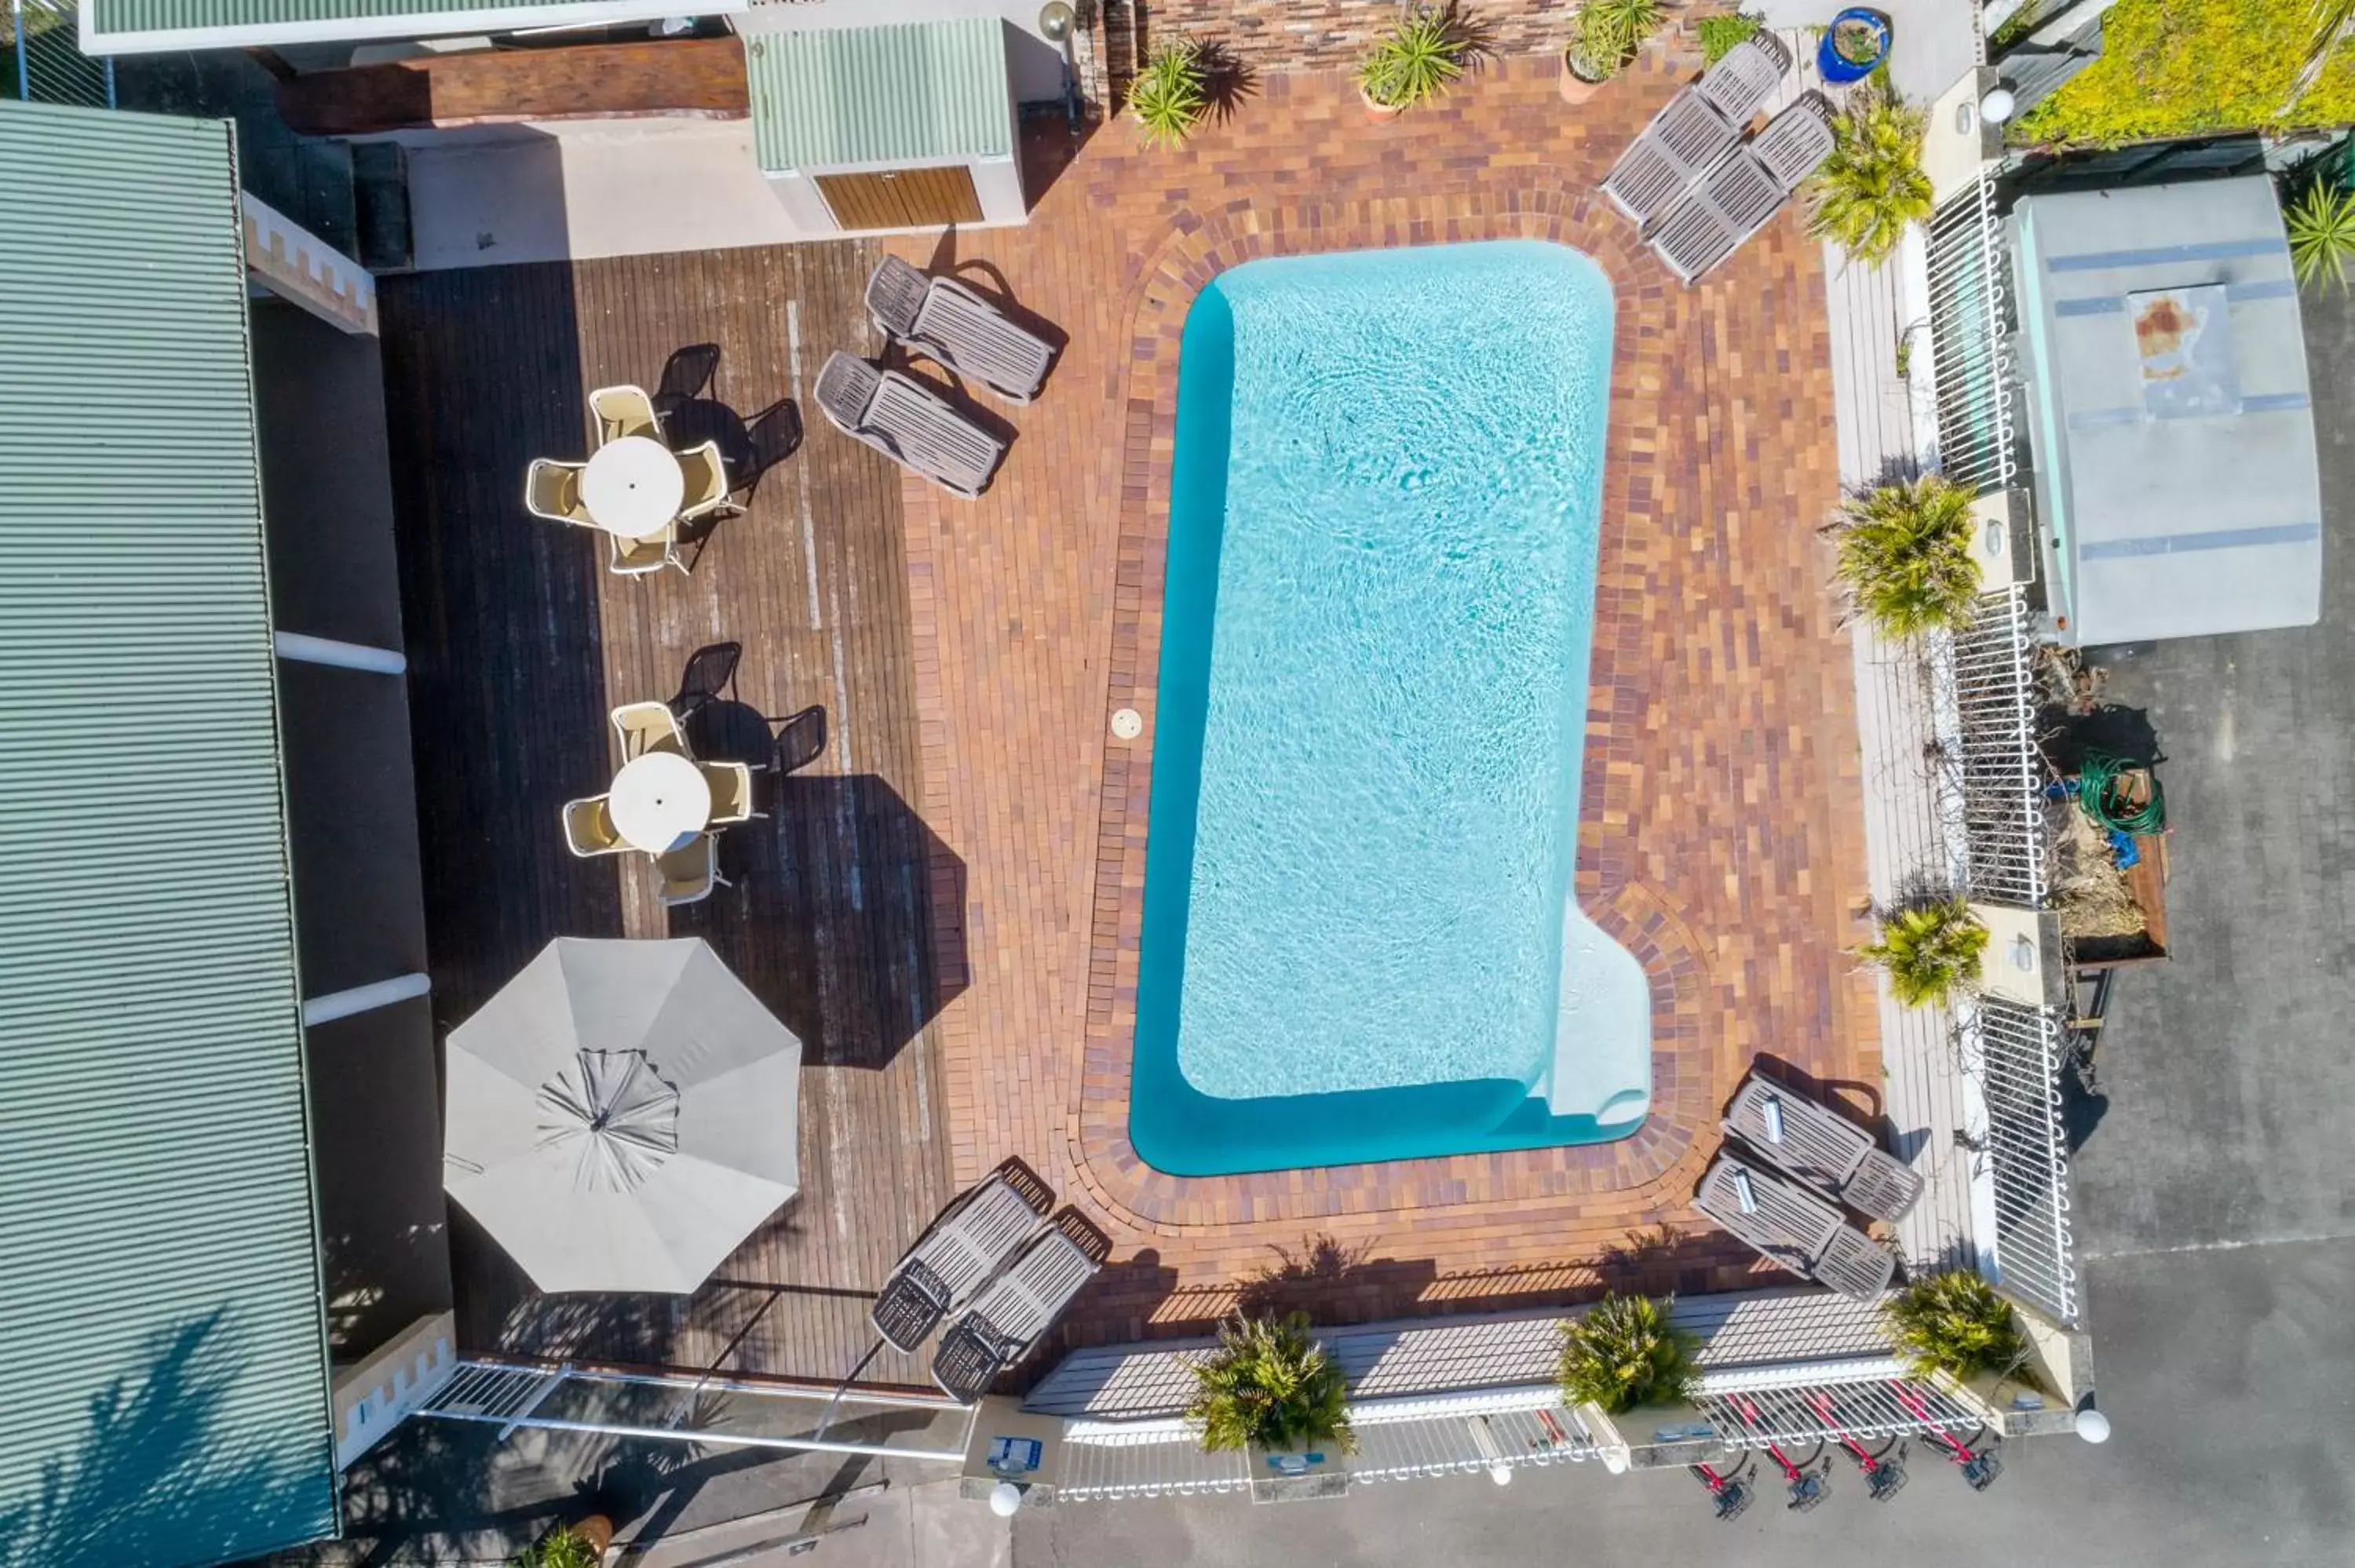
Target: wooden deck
{"x": 519, "y": 643}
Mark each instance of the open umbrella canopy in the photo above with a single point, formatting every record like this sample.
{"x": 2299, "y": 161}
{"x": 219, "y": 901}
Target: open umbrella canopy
{"x": 622, "y": 1115}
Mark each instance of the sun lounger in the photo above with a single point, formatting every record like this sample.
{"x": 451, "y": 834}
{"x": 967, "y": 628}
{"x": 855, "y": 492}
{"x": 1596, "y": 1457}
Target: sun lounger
{"x": 1821, "y": 1149}
{"x": 1796, "y": 143}
{"x": 1019, "y": 1306}
{"x": 1739, "y": 85}
{"x": 1685, "y": 138}
{"x": 1729, "y": 204}
{"x": 909, "y": 423}
{"x": 1790, "y": 1226}
{"x": 956, "y": 1258}
{"x": 951, "y": 325}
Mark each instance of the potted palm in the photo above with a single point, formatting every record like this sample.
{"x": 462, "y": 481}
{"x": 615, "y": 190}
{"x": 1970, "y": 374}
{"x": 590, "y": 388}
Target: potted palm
{"x": 1872, "y": 188}
{"x": 581, "y": 1545}
{"x": 1268, "y": 1385}
{"x": 1171, "y": 94}
{"x": 1622, "y": 1352}
{"x": 1603, "y": 38}
{"x": 1931, "y": 949}
{"x": 1414, "y": 61}
{"x": 1905, "y": 558}
{"x": 1955, "y": 1323}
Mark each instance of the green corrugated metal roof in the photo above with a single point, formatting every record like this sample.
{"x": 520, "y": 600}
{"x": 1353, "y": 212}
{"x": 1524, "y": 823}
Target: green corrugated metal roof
{"x": 165, "y": 1370}
{"x": 228, "y": 22}
{"x": 922, "y": 92}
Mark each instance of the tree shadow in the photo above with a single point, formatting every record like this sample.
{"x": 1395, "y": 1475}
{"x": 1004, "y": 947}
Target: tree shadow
{"x": 1227, "y": 80}
{"x": 1323, "y": 1266}
{"x": 846, "y": 915}
{"x": 152, "y": 1478}
{"x": 1861, "y": 1102}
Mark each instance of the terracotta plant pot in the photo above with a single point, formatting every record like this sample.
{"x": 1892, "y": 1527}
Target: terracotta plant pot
{"x": 597, "y": 1531}
{"x": 1378, "y": 112}
{"x": 1576, "y": 87}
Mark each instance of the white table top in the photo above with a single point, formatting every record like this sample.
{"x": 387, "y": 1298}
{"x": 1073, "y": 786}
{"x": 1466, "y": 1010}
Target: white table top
{"x": 633, "y": 487}
{"x": 659, "y": 802}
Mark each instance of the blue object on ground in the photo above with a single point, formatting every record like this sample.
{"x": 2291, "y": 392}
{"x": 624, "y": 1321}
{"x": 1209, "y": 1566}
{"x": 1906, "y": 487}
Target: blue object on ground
{"x": 1836, "y": 66}
{"x": 2123, "y": 845}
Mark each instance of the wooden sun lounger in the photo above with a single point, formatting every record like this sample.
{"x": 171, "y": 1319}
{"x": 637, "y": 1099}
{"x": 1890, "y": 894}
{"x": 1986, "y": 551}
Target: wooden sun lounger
{"x": 954, "y": 1258}
{"x": 1019, "y": 1306}
{"x": 1822, "y": 1149}
{"x": 909, "y": 423}
{"x": 951, "y": 325}
{"x": 1791, "y": 1227}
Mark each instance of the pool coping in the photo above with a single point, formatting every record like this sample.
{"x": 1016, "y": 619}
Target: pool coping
{"x": 1641, "y": 917}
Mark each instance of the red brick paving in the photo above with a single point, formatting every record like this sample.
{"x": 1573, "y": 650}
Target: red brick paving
{"x": 1721, "y": 837}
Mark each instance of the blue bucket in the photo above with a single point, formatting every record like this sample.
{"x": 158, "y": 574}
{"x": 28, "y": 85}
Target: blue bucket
{"x": 1838, "y": 68}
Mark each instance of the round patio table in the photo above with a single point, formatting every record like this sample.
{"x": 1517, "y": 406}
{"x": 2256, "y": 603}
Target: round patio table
{"x": 633, "y": 487}
{"x": 660, "y": 801}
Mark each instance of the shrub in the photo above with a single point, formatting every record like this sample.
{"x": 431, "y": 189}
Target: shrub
{"x": 2321, "y": 224}
{"x": 2185, "y": 68}
{"x": 1417, "y": 60}
{"x": 1607, "y": 32}
{"x": 1719, "y": 34}
{"x": 1954, "y": 1322}
{"x": 1268, "y": 1383}
{"x": 1872, "y": 188}
{"x": 1623, "y": 1352}
{"x": 1171, "y": 94}
{"x": 1905, "y": 557}
{"x": 562, "y": 1547}
{"x": 1931, "y": 950}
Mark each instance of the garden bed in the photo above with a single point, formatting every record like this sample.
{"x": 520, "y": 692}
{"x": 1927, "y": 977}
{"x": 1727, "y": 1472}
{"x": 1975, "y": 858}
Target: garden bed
{"x": 2195, "y": 67}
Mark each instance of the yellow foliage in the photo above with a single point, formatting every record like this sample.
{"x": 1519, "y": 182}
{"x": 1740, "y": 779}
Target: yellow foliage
{"x": 2185, "y": 67}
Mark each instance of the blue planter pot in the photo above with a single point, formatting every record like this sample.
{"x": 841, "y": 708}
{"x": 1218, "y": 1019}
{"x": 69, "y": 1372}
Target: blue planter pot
{"x": 1837, "y": 68}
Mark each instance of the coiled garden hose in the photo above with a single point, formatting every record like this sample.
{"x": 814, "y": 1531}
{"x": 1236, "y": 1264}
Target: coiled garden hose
{"x": 2103, "y": 796}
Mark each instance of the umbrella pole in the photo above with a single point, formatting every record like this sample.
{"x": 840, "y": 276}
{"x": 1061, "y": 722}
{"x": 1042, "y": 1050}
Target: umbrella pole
{"x": 827, "y": 1419}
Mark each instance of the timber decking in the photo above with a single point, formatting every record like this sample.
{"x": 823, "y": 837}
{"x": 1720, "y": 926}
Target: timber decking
{"x": 519, "y": 642}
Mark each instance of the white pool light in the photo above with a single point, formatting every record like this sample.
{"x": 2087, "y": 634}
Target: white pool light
{"x": 1501, "y": 1473}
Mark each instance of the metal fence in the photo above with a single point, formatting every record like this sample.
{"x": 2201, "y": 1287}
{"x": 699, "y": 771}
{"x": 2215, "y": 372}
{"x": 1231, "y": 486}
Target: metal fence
{"x": 2027, "y": 1148}
{"x": 1157, "y": 1460}
{"x": 46, "y": 64}
{"x": 1970, "y": 336}
{"x": 1997, "y": 767}
{"x": 1866, "y": 1410}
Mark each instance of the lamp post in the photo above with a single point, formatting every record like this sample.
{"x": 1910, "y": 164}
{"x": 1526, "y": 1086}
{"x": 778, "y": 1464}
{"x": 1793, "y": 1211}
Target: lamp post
{"x": 1057, "y": 22}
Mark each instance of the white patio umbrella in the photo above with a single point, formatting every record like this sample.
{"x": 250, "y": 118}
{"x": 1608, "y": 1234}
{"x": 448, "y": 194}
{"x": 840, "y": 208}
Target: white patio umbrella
{"x": 622, "y": 1115}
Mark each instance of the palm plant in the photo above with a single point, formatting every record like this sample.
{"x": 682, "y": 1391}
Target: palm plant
{"x": 1931, "y": 950}
{"x": 563, "y": 1547}
{"x": 1171, "y": 94}
{"x": 1608, "y": 34}
{"x": 1872, "y": 188}
{"x": 1954, "y": 1322}
{"x": 1416, "y": 61}
{"x": 2321, "y": 224}
{"x": 1623, "y": 1352}
{"x": 1268, "y": 1383}
{"x": 1905, "y": 556}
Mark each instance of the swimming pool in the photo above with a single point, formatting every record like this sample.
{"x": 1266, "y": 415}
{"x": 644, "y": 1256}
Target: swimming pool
{"x": 1360, "y": 937}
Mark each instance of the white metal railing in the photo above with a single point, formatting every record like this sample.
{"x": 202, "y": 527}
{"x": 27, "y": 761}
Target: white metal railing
{"x": 1102, "y": 1462}
{"x": 47, "y": 64}
{"x": 1970, "y": 336}
{"x": 1866, "y": 1410}
{"x": 2027, "y": 1151}
{"x": 1997, "y": 768}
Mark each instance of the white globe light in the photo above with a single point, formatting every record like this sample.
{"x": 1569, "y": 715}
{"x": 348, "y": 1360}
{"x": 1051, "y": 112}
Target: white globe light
{"x": 2092, "y": 1427}
{"x": 1501, "y": 1474}
{"x": 1616, "y": 1461}
{"x": 1004, "y": 1500}
{"x": 1997, "y": 106}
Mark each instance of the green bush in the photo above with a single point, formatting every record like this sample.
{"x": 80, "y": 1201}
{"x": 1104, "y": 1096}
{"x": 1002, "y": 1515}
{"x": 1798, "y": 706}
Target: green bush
{"x": 1719, "y": 34}
{"x": 1905, "y": 558}
{"x": 2185, "y": 68}
{"x": 562, "y": 1547}
{"x": 1872, "y": 188}
{"x": 1954, "y": 1322}
{"x": 1268, "y": 1383}
{"x": 2321, "y": 223}
{"x": 1416, "y": 60}
{"x": 1622, "y": 1352}
{"x": 1171, "y": 94}
{"x": 1931, "y": 950}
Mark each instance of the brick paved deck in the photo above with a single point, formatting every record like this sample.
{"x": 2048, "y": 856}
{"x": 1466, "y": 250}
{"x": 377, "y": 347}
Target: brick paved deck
{"x": 1721, "y": 838}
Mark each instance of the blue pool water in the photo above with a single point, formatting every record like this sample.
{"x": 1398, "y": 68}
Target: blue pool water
{"x": 1359, "y": 939}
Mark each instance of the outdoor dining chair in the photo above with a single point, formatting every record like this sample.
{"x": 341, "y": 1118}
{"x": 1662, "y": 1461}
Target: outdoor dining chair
{"x": 624, "y": 411}
{"x": 688, "y": 873}
{"x": 706, "y": 481}
{"x": 731, "y": 791}
{"x": 958, "y": 329}
{"x": 1014, "y": 1310}
{"x": 552, "y": 489}
{"x": 647, "y": 727}
{"x": 958, "y": 1256}
{"x": 639, "y": 557}
{"x": 589, "y": 829}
